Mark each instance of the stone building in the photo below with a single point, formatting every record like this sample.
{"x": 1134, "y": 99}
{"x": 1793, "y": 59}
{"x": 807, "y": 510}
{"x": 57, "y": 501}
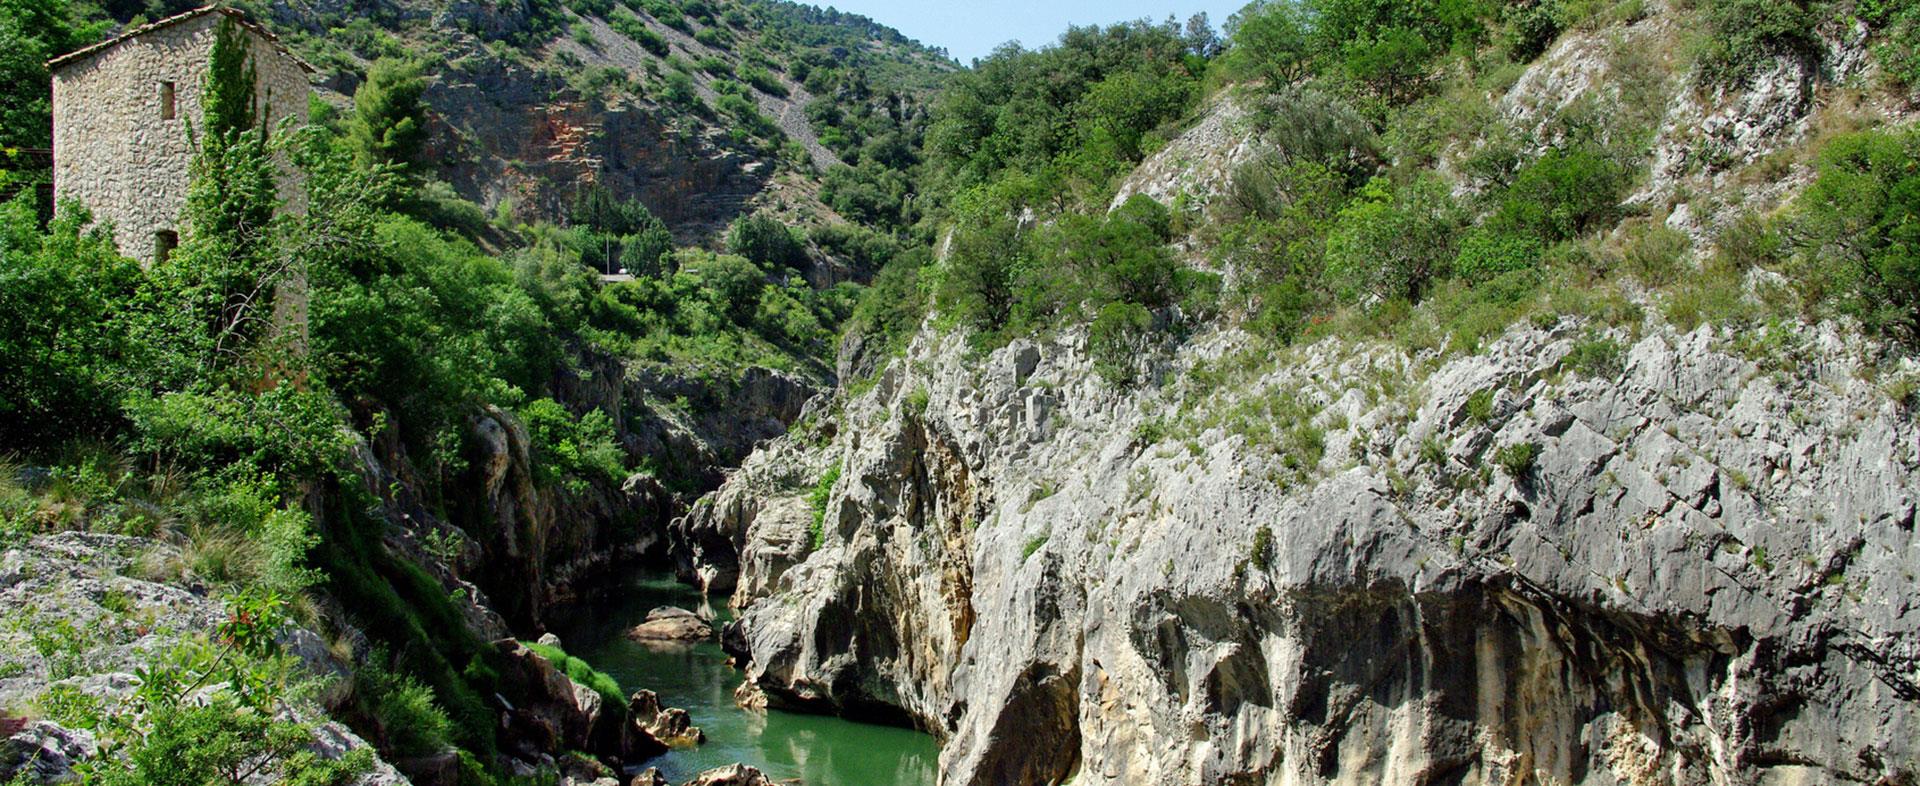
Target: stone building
{"x": 121, "y": 111}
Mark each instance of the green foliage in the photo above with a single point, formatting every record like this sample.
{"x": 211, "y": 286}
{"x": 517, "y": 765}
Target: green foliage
{"x": 1744, "y": 35}
{"x": 389, "y": 116}
{"x": 1595, "y": 356}
{"x": 1517, "y": 459}
{"x": 1898, "y": 24}
{"x": 1858, "y": 230}
{"x": 227, "y": 100}
{"x": 61, "y": 358}
{"x": 572, "y": 451}
{"x": 1261, "y": 551}
{"x": 1486, "y": 252}
{"x": 1479, "y": 406}
{"x": 1392, "y": 240}
{"x": 166, "y": 735}
{"x": 626, "y": 24}
{"x": 1565, "y": 193}
{"x": 1033, "y": 545}
{"x": 1271, "y": 41}
{"x": 1075, "y": 109}
{"x": 817, "y": 499}
{"x": 765, "y": 241}
{"x": 581, "y": 672}
{"x": 1116, "y": 339}
{"x": 31, "y": 33}
{"x": 890, "y": 310}
{"x": 619, "y": 234}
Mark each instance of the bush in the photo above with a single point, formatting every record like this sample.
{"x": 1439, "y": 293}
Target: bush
{"x": 1517, "y": 459}
{"x": 626, "y": 24}
{"x": 1859, "y": 227}
{"x": 1116, "y": 340}
{"x": 765, "y": 241}
{"x": 1746, "y": 34}
{"x": 1393, "y": 240}
{"x": 817, "y": 500}
{"x": 572, "y": 451}
{"x": 61, "y": 356}
{"x": 1486, "y": 252}
{"x": 410, "y": 721}
{"x": 1565, "y": 193}
{"x": 1898, "y": 23}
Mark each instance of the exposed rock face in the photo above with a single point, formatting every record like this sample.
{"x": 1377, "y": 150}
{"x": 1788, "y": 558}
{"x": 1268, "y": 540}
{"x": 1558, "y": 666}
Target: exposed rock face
{"x": 88, "y": 610}
{"x": 45, "y": 752}
{"x": 671, "y": 725}
{"x": 669, "y": 623}
{"x": 731, "y": 775}
{"x": 1704, "y": 574}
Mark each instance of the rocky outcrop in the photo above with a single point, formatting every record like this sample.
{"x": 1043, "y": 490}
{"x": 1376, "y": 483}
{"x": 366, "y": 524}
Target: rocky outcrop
{"x": 731, "y": 775}
{"x": 1687, "y": 561}
{"x": 88, "y": 611}
{"x": 672, "y": 726}
{"x": 671, "y": 624}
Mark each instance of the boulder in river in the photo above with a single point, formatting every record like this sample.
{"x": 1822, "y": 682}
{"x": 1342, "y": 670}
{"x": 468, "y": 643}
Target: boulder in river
{"x": 669, "y": 623}
{"x": 731, "y": 775}
{"x": 670, "y": 725}
{"x": 649, "y": 777}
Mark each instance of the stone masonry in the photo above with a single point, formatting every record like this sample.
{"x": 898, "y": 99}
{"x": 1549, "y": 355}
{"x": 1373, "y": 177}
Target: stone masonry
{"x": 121, "y": 116}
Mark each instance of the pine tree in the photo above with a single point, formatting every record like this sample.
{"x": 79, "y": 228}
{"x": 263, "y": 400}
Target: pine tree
{"x": 389, "y": 117}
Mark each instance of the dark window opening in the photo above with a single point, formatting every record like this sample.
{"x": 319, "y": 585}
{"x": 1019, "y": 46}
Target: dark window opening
{"x": 166, "y": 101}
{"x": 164, "y": 242}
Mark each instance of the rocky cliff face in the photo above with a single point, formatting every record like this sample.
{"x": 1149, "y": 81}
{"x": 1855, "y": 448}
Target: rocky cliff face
{"x": 1336, "y": 566}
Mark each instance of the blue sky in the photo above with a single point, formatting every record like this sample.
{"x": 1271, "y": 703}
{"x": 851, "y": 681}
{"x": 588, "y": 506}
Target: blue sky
{"x": 972, "y": 28}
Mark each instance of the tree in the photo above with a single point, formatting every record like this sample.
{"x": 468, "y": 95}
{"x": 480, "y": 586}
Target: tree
{"x": 1269, "y": 41}
{"x": 767, "y": 242}
{"x": 228, "y": 105}
{"x": 1859, "y": 227}
{"x": 389, "y": 124}
{"x": 1201, "y": 39}
{"x": 31, "y": 33}
{"x": 1393, "y": 240}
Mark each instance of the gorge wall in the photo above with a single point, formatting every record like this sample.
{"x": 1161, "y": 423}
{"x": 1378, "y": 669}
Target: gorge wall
{"x": 1703, "y": 577}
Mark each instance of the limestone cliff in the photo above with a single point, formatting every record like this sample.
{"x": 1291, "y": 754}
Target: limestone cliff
{"x": 1703, "y": 574}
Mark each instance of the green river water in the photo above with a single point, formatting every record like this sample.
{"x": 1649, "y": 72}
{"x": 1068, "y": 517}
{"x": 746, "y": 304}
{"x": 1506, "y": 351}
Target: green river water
{"x": 817, "y": 750}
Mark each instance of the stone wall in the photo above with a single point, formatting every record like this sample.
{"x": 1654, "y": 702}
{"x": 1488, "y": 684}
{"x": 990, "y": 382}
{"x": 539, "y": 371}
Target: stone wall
{"x": 115, "y": 153}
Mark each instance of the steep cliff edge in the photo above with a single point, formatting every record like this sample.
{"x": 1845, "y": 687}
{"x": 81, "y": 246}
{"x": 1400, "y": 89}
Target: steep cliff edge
{"x": 1701, "y": 574}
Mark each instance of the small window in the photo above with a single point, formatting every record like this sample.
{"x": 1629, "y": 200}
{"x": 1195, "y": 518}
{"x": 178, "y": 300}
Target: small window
{"x": 166, "y": 100}
{"x": 164, "y": 242}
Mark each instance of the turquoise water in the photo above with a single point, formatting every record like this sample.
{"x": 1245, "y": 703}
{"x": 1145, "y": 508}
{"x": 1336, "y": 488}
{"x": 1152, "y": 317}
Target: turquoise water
{"x": 820, "y": 751}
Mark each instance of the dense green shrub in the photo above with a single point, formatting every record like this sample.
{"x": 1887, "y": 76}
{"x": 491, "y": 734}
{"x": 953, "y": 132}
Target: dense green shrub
{"x": 571, "y": 450}
{"x": 60, "y": 359}
{"x": 1898, "y": 24}
{"x": 1517, "y": 459}
{"x": 1563, "y": 194}
{"x": 817, "y": 500}
{"x": 766, "y": 241}
{"x": 1744, "y": 35}
{"x": 1116, "y": 340}
{"x": 626, "y": 24}
{"x": 404, "y": 709}
{"x": 1859, "y": 229}
{"x": 1271, "y": 40}
{"x": 1486, "y": 252}
{"x": 1392, "y": 240}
